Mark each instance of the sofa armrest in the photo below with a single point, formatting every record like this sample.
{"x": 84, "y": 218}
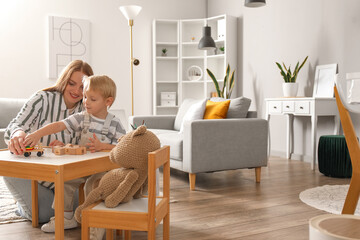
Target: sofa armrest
{"x": 221, "y": 144}
{"x": 154, "y": 122}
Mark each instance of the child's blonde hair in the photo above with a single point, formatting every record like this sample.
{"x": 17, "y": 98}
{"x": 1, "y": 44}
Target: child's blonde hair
{"x": 102, "y": 84}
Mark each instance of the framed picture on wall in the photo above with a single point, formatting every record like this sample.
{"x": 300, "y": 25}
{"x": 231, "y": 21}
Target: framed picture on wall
{"x": 324, "y": 80}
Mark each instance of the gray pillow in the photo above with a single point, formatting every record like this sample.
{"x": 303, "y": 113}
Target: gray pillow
{"x": 186, "y": 104}
{"x": 238, "y": 106}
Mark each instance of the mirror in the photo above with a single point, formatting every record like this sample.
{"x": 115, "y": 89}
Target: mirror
{"x": 325, "y": 80}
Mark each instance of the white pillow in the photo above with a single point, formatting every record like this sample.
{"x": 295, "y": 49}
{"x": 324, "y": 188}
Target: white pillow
{"x": 196, "y": 111}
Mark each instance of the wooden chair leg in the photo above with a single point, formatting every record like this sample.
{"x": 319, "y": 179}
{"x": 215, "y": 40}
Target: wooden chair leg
{"x": 81, "y": 194}
{"x": 119, "y": 232}
{"x": 166, "y": 227}
{"x": 84, "y": 229}
{"x": 352, "y": 196}
{"x": 192, "y": 179}
{"x": 127, "y": 234}
{"x": 109, "y": 234}
{"x": 258, "y": 174}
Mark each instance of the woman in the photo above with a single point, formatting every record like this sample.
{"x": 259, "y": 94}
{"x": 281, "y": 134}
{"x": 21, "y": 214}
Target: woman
{"x": 45, "y": 106}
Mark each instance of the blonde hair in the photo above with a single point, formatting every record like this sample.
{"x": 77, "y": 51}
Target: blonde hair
{"x": 102, "y": 84}
{"x": 73, "y": 66}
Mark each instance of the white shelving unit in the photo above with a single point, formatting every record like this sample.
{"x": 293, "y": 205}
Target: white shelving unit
{"x": 181, "y": 39}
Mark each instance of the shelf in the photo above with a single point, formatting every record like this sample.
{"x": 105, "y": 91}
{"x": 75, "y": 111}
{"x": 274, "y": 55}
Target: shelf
{"x": 167, "y": 106}
{"x": 167, "y": 43}
{"x": 216, "y": 56}
{"x": 181, "y": 39}
{"x": 166, "y": 82}
{"x": 194, "y": 57}
{"x": 166, "y": 58}
{"x": 190, "y": 43}
{"x": 192, "y": 82}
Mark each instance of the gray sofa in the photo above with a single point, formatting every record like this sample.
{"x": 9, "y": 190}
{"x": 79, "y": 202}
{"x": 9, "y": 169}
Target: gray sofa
{"x": 212, "y": 145}
{"x": 9, "y": 108}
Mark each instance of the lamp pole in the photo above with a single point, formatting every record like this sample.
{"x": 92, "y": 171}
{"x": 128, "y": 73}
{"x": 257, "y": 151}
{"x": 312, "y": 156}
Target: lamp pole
{"x": 131, "y": 23}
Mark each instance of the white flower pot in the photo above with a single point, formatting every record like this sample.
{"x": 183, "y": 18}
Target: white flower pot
{"x": 290, "y": 89}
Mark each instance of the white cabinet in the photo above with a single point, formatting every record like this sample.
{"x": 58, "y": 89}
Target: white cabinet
{"x": 183, "y": 69}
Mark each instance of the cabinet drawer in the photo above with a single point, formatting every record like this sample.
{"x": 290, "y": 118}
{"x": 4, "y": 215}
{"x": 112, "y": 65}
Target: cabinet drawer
{"x": 274, "y": 107}
{"x": 302, "y": 107}
{"x": 168, "y": 103}
{"x": 288, "y": 106}
{"x": 168, "y": 95}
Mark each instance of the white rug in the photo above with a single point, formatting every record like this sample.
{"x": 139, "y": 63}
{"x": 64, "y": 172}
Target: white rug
{"x": 329, "y": 198}
{"x": 7, "y": 206}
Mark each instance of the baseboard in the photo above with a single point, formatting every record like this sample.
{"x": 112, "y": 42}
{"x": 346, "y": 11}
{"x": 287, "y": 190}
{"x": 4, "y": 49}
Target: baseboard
{"x": 294, "y": 156}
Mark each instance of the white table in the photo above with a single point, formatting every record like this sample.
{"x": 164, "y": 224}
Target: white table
{"x": 303, "y": 106}
{"x": 53, "y": 168}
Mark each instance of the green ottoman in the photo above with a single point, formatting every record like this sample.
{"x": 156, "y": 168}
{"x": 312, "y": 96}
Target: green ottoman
{"x": 333, "y": 156}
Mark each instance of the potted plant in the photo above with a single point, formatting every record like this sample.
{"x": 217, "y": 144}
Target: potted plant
{"x": 222, "y": 49}
{"x": 290, "y": 86}
{"x": 164, "y": 51}
{"x": 228, "y": 86}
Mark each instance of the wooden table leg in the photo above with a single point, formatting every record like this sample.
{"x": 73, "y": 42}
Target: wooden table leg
{"x": 34, "y": 203}
{"x": 59, "y": 204}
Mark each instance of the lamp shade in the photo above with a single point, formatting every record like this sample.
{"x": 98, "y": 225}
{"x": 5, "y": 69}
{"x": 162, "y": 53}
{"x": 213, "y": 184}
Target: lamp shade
{"x": 255, "y": 3}
{"x": 130, "y": 12}
{"x": 206, "y": 42}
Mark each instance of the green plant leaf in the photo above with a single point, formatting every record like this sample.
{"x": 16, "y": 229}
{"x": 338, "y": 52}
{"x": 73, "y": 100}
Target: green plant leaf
{"x": 232, "y": 84}
{"x": 215, "y": 82}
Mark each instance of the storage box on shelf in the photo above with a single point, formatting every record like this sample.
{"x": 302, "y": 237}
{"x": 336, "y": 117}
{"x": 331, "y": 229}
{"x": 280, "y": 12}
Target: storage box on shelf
{"x": 168, "y": 99}
{"x": 181, "y": 38}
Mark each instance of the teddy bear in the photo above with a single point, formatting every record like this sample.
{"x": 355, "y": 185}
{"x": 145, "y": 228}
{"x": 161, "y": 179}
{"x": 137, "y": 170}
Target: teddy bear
{"x": 122, "y": 184}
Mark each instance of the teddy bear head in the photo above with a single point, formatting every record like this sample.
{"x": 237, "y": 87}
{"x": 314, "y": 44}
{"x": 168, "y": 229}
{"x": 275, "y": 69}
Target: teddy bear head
{"x": 132, "y": 149}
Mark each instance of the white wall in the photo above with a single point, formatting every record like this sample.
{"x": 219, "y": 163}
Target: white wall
{"x": 284, "y": 30}
{"x": 24, "y": 39}
{"x": 328, "y": 31}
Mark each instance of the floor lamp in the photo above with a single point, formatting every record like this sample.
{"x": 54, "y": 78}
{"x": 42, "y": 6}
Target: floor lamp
{"x": 130, "y": 12}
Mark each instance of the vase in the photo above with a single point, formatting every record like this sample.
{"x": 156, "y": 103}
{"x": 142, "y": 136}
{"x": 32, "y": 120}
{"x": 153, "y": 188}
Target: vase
{"x": 290, "y": 89}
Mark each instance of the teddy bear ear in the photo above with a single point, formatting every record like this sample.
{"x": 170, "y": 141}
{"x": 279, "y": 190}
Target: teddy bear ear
{"x": 139, "y": 131}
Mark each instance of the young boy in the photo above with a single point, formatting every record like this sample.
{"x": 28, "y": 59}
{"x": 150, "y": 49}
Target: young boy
{"x": 95, "y": 128}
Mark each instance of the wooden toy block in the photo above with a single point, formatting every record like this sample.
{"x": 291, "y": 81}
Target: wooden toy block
{"x": 69, "y": 149}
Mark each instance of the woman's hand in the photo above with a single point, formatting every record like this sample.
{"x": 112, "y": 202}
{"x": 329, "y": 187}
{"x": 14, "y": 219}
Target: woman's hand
{"x": 56, "y": 143}
{"x": 32, "y": 139}
{"x": 16, "y": 144}
{"x": 95, "y": 145}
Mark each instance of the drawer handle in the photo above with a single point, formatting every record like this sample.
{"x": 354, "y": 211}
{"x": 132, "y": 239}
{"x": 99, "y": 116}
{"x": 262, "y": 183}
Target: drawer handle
{"x": 275, "y": 107}
{"x": 301, "y": 107}
{"x": 287, "y": 106}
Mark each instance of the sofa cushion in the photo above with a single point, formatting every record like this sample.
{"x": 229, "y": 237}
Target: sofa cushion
{"x": 216, "y": 110}
{"x": 195, "y": 112}
{"x": 9, "y": 108}
{"x": 186, "y": 104}
{"x": 172, "y": 138}
{"x": 238, "y": 106}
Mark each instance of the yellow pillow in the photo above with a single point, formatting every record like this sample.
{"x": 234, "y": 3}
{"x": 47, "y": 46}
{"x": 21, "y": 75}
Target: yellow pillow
{"x": 216, "y": 110}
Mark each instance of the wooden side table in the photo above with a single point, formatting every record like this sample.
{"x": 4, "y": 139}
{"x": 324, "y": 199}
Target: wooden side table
{"x": 334, "y": 227}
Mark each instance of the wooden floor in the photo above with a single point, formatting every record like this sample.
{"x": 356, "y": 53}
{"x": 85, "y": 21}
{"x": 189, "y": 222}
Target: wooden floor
{"x": 227, "y": 205}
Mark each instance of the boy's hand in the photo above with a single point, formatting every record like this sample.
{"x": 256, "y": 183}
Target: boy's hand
{"x": 95, "y": 145}
{"x": 32, "y": 139}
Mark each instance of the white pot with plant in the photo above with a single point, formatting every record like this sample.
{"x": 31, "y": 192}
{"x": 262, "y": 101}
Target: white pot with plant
{"x": 164, "y": 52}
{"x": 290, "y": 86}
